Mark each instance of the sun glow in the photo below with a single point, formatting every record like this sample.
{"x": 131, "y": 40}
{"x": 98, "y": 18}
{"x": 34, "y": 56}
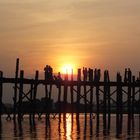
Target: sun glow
{"x": 67, "y": 69}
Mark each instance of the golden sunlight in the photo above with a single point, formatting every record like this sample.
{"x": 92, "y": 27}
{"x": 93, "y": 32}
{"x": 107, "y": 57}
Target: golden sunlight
{"x": 67, "y": 69}
{"x": 68, "y": 126}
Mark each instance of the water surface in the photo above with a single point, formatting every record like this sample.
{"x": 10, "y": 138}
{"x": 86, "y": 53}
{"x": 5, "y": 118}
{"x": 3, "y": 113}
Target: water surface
{"x": 68, "y": 128}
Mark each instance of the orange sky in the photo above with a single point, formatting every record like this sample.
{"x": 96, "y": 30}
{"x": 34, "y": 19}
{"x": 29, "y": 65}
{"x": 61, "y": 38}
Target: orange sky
{"x": 92, "y": 33}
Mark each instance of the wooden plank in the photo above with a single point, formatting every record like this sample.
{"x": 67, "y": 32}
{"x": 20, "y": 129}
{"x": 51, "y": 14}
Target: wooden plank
{"x": 69, "y": 83}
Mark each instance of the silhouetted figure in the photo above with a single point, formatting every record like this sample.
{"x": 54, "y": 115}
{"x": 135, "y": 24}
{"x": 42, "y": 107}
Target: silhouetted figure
{"x": 129, "y": 74}
{"x": 58, "y": 77}
{"x": 48, "y": 72}
{"x": 126, "y": 76}
{"x": 85, "y": 74}
{"x": 97, "y": 75}
{"x": 90, "y": 74}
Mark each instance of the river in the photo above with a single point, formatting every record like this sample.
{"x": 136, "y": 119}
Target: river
{"x": 68, "y": 128}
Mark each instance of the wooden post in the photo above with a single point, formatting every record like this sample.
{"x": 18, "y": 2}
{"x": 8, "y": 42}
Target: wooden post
{"x": 133, "y": 101}
{"x": 96, "y": 79}
{"x": 15, "y": 89}
{"x": 109, "y": 106}
{"x": 50, "y": 86}
{"x": 85, "y": 100}
{"x": 91, "y": 94}
{"x": 91, "y": 101}
{"x": 90, "y": 77}
{"x": 97, "y": 109}
{"x": 119, "y": 106}
{"x": 59, "y": 101}
{"x": 47, "y": 78}
{"x": 1, "y": 93}
{"x": 31, "y": 104}
{"x": 65, "y": 95}
{"x": 139, "y": 101}
{"x": 59, "y": 80}
{"x": 129, "y": 101}
{"x": 46, "y": 91}
{"x": 35, "y": 93}
{"x": 50, "y": 91}
{"x": 71, "y": 92}
{"x": 35, "y": 85}
{"x": 78, "y": 93}
{"x": 20, "y": 96}
{"x": 104, "y": 102}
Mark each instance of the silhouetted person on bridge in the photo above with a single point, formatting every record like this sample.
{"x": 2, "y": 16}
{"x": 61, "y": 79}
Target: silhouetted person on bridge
{"x": 58, "y": 77}
{"x": 97, "y": 75}
{"x": 90, "y": 74}
{"x": 48, "y": 72}
{"x": 85, "y": 74}
{"x": 127, "y": 75}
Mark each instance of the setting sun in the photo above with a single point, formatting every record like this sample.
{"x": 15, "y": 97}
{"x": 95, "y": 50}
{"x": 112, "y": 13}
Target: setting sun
{"x": 67, "y": 69}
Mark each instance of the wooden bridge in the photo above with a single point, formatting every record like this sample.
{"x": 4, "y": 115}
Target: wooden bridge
{"x": 123, "y": 93}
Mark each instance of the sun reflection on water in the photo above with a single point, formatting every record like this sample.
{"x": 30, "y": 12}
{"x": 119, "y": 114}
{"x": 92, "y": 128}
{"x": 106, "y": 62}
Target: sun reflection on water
{"x": 65, "y": 130}
{"x": 68, "y": 127}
